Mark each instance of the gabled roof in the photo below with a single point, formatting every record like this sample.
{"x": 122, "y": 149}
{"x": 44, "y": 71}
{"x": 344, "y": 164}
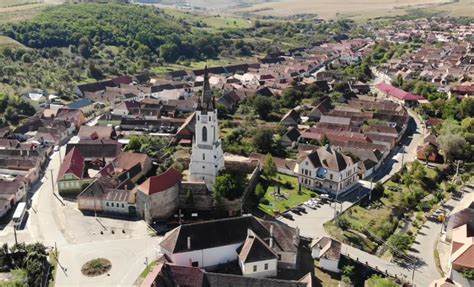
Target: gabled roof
{"x": 161, "y": 182}
{"x": 80, "y": 103}
{"x": 397, "y": 93}
{"x": 331, "y": 253}
{"x": 215, "y": 233}
{"x": 96, "y": 132}
{"x": 329, "y": 158}
{"x": 254, "y": 249}
{"x": 293, "y": 134}
{"x": 73, "y": 163}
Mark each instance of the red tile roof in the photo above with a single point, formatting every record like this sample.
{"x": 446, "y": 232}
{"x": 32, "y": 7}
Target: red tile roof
{"x": 397, "y": 93}
{"x": 73, "y": 163}
{"x": 161, "y": 182}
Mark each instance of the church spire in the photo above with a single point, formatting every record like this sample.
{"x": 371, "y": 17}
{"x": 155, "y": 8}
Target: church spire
{"x": 207, "y": 102}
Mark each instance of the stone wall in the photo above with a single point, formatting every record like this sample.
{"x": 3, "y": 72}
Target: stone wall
{"x": 202, "y": 198}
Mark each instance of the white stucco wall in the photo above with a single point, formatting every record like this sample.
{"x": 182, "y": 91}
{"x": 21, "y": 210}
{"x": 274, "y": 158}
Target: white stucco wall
{"x": 247, "y": 268}
{"x": 206, "y": 258}
{"x": 329, "y": 265}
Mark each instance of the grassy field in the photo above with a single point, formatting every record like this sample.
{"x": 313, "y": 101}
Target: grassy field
{"x": 358, "y": 9}
{"x": 8, "y": 42}
{"x": 292, "y": 197}
{"x": 11, "y": 3}
{"x": 211, "y": 21}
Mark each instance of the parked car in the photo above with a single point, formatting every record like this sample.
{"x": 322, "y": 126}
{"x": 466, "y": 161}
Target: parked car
{"x": 301, "y": 209}
{"x": 287, "y": 216}
{"x": 295, "y": 211}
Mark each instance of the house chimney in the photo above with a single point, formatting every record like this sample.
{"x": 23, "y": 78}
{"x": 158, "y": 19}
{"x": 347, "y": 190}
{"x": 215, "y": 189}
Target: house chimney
{"x": 271, "y": 237}
{"x": 189, "y": 242}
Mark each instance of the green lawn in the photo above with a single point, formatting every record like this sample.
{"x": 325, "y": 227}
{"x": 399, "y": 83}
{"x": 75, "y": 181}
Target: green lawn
{"x": 292, "y": 197}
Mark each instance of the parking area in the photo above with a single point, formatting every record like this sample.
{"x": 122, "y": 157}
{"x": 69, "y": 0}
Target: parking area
{"x": 320, "y": 210}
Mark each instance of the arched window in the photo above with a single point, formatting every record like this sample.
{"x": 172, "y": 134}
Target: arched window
{"x": 204, "y": 134}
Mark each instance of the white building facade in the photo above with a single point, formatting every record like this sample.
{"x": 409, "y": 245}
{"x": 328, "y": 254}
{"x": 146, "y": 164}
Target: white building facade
{"x": 207, "y": 157}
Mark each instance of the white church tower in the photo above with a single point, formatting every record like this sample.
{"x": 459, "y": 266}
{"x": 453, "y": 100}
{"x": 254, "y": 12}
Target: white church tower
{"x": 207, "y": 157}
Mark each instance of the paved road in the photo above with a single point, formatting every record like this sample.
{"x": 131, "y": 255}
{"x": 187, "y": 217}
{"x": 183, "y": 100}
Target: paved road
{"x": 54, "y": 221}
{"x": 424, "y": 247}
{"x": 311, "y": 224}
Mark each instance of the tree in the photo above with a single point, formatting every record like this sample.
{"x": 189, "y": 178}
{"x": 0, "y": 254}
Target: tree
{"x": 454, "y": 146}
{"x": 263, "y": 140}
{"x": 466, "y": 107}
{"x": 225, "y": 186}
{"x": 348, "y": 271}
{"x": 169, "y": 52}
{"x": 378, "y": 190}
{"x": 407, "y": 179}
{"x": 84, "y": 47}
{"x": 399, "y": 243}
{"x": 269, "y": 167}
{"x": 467, "y": 125}
{"x": 427, "y": 152}
{"x": 259, "y": 192}
{"x": 263, "y": 106}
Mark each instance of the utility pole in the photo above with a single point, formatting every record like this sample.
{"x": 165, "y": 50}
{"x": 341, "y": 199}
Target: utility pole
{"x": 403, "y": 154}
{"x": 14, "y": 232}
{"x": 370, "y": 190}
{"x": 52, "y": 180}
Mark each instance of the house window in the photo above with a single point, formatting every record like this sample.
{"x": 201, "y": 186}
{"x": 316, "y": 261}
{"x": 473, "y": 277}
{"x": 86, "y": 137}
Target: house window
{"x": 330, "y": 176}
{"x": 203, "y": 156}
{"x": 255, "y": 268}
{"x": 123, "y": 205}
{"x": 195, "y": 264}
{"x": 204, "y": 134}
{"x": 279, "y": 256}
{"x": 209, "y": 118}
{"x": 107, "y": 203}
{"x": 266, "y": 266}
{"x": 112, "y": 204}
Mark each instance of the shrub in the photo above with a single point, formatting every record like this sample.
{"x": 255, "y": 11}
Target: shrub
{"x": 396, "y": 178}
{"x": 312, "y": 194}
{"x": 264, "y": 201}
{"x": 287, "y": 185}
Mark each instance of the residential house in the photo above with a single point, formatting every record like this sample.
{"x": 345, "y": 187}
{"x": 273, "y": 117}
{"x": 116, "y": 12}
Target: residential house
{"x": 85, "y": 105}
{"x": 327, "y": 170}
{"x": 157, "y": 197}
{"x": 462, "y": 214}
{"x": 125, "y": 108}
{"x": 14, "y": 188}
{"x": 36, "y": 99}
{"x": 99, "y": 152}
{"x": 397, "y": 95}
{"x": 328, "y": 252}
{"x": 444, "y": 282}
{"x": 97, "y": 133}
{"x": 71, "y": 177}
{"x": 256, "y": 258}
{"x": 167, "y": 274}
{"x": 291, "y": 138}
{"x": 462, "y": 249}
{"x": 136, "y": 164}
{"x": 229, "y": 100}
{"x": 71, "y": 115}
{"x": 212, "y": 243}
{"x": 285, "y": 166}
{"x": 320, "y": 108}
{"x": 429, "y": 152}
{"x": 119, "y": 201}
{"x": 291, "y": 118}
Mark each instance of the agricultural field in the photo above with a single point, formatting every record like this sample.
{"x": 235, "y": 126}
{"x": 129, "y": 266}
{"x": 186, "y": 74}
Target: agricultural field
{"x": 357, "y": 9}
{"x": 8, "y": 42}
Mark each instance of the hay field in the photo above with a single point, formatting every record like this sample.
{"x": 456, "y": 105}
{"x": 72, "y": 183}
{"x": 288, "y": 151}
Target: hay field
{"x": 357, "y": 9}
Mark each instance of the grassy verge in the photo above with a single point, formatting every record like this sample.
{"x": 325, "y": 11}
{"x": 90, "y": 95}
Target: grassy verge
{"x": 326, "y": 278}
{"x": 369, "y": 225}
{"x": 289, "y": 190}
{"x": 54, "y": 267}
